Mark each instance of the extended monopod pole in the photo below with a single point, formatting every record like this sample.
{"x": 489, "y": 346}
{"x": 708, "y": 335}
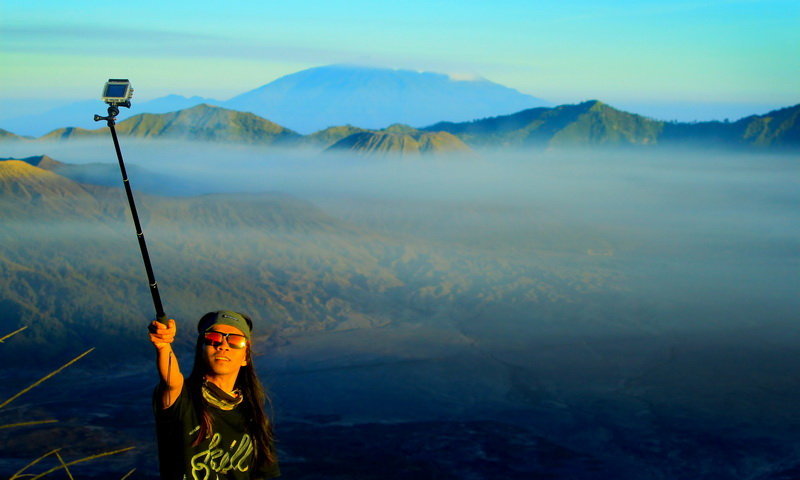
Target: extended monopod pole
{"x": 117, "y": 93}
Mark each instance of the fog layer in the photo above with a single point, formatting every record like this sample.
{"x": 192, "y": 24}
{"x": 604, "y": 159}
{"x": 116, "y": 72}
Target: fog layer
{"x": 628, "y": 305}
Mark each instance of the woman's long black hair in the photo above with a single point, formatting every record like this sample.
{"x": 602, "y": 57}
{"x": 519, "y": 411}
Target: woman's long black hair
{"x": 259, "y": 426}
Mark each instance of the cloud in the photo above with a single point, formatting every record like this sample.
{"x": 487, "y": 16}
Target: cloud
{"x": 39, "y": 33}
{"x": 104, "y": 41}
{"x": 88, "y": 40}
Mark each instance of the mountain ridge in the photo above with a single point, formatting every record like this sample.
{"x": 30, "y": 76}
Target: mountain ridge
{"x": 590, "y": 123}
{"x": 399, "y": 139}
{"x": 201, "y": 122}
{"x": 598, "y": 124}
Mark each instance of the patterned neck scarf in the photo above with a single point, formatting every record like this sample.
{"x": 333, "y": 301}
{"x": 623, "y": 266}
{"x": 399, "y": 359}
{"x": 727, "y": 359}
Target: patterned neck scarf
{"x": 217, "y": 397}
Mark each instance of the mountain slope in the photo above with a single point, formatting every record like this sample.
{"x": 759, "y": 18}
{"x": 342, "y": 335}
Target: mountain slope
{"x": 6, "y": 136}
{"x": 203, "y": 122}
{"x": 25, "y": 189}
{"x": 588, "y": 123}
{"x": 777, "y": 129}
{"x": 388, "y": 143}
{"x": 594, "y": 123}
{"x": 81, "y": 114}
{"x": 327, "y": 137}
{"x": 317, "y": 98}
{"x": 41, "y": 161}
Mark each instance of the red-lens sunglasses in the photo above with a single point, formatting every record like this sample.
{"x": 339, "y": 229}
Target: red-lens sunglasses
{"x": 214, "y": 338}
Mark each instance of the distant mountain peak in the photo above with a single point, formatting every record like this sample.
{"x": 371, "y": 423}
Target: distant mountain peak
{"x": 400, "y": 128}
{"x": 374, "y": 97}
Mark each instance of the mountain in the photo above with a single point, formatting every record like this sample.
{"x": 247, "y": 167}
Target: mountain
{"x": 329, "y": 136}
{"x": 594, "y": 123}
{"x": 172, "y": 103}
{"x": 317, "y": 98}
{"x": 6, "y": 136}
{"x": 203, "y": 122}
{"x": 41, "y": 161}
{"x": 588, "y": 123}
{"x": 73, "y": 133}
{"x": 373, "y": 98}
{"x": 77, "y": 114}
{"x": 108, "y": 175}
{"x": 81, "y": 114}
{"x": 777, "y": 129}
{"x": 405, "y": 142}
{"x": 25, "y": 188}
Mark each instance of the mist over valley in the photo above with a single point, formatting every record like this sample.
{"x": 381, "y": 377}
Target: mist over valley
{"x": 579, "y": 313}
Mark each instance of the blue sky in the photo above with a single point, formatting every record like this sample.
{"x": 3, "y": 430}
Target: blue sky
{"x": 670, "y": 59}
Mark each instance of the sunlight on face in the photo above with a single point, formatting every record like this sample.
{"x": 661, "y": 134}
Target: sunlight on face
{"x": 223, "y": 360}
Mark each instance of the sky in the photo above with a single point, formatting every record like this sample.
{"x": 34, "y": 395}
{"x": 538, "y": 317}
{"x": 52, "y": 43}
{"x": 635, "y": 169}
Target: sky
{"x": 687, "y": 59}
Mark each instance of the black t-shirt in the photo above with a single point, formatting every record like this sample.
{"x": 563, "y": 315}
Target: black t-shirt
{"x": 227, "y": 455}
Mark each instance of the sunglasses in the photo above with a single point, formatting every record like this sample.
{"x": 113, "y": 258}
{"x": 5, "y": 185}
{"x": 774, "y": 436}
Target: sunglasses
{"x": 214, "y": 338}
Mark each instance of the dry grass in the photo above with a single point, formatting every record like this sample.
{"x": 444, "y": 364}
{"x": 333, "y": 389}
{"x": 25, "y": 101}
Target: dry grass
{"x": 62, "y": 464}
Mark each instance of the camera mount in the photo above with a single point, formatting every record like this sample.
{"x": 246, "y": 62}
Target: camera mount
{"x": 117, "y": 92}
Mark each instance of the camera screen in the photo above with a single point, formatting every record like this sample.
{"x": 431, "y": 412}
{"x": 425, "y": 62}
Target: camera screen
{"x": 116, "y": 90}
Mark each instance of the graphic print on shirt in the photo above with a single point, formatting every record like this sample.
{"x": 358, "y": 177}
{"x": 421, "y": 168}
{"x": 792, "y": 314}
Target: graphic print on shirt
{"x": 220, "y": 459}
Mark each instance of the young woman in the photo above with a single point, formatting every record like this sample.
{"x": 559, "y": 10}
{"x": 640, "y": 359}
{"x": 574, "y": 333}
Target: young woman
{"x": 212, "y": 425}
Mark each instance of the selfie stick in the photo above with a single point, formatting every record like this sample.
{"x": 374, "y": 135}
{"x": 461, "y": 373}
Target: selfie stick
{"x": 117, "y": 93}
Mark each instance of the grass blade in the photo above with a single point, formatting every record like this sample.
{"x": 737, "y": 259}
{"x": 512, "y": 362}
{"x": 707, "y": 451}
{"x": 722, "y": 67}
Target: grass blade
{"x": 12, "y": 334}
{"x": 86, "y": 459}
{"x": 34, "y": 462}
{"x": 26, "y": 424}
{"x": 49, "y": 375}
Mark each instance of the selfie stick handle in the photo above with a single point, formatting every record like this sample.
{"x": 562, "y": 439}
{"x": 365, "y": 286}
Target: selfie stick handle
{"x": 113, "y": 111}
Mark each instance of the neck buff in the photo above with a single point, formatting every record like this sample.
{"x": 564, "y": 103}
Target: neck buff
{"x": 217, "y": 397}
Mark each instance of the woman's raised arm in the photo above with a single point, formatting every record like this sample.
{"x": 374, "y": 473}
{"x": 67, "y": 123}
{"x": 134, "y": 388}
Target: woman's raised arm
{"x": 167, "y": 364}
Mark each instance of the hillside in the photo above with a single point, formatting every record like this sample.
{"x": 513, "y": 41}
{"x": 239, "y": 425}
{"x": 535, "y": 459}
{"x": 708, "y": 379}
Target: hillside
{"x": 779, "y": 129}
{"x": 25, "y": 188}
{"x": 41, "y": 161}
{"x": 203, "y": 122}
{"x": 6, "y": 136}
{"x": 588, "y": 123}
{"x": 594, "y": 123}
{"x": 329, "y": 136}
{"x": 387, "y": 143}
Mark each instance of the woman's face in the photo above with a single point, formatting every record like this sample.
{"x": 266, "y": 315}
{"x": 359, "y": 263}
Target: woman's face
{"x": 222, "y": 359}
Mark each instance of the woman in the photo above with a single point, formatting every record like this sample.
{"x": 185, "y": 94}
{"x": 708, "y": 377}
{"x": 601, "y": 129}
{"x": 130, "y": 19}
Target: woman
{"x": 212, "y": 425}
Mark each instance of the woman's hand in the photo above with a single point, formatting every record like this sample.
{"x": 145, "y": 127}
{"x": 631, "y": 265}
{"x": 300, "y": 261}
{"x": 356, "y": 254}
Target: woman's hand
{"x": 161, "y": 336}
{"x": 172, "y": 380}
